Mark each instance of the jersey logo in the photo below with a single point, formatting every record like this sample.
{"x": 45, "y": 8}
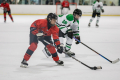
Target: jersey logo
{"x": 64, "y": 22}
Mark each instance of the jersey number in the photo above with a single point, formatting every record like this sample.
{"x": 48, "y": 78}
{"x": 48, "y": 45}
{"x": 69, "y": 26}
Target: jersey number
{"x": 64, "y": 22}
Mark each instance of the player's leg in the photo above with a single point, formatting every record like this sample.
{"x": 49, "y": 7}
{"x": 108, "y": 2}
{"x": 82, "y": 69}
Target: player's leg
{"x": 52, "y": 49}
{"x": 4, "y": 16}
{"x": 30, "y": 50}
{"x": 9, "y": 13}
{"x": 45, "y": 50}
{"x": 93, "y": 17}
{"x": 68, "y": 46}
{"x": 97, "y": 21}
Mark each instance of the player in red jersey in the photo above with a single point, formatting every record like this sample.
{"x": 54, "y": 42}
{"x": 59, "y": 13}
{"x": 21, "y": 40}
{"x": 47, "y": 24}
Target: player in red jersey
{"x": 65, "y": 7}
{"x": 41, "y": 30}
{"x": 6, "y": 9}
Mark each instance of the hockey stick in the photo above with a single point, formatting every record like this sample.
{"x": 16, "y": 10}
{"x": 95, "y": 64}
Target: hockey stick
{"x": 113, "y": 62}
{"x": 93, "y": 68}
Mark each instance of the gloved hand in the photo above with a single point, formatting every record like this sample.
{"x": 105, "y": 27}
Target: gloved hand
{"x": 34, "y": 32}
{"x": 77, "y": 37}
{"x": 40, "y": 36}
{"x": 70, "y": 33}
{"x": 102, "y": 10}
{"x": 60, "y": 48}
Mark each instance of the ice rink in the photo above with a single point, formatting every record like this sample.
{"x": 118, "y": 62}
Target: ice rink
{"x": 14, "y": 41}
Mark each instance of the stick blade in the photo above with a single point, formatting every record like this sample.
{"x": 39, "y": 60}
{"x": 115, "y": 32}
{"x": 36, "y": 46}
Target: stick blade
{"x": 95, "y": 68}
{"x": 115, "y": 61}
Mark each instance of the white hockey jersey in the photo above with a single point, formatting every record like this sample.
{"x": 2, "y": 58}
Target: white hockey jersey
{"x": 98, "y": 6}
{"x": 66, "y": 22}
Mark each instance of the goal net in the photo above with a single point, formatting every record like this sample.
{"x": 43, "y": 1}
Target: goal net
{"x": 73, "y": 6}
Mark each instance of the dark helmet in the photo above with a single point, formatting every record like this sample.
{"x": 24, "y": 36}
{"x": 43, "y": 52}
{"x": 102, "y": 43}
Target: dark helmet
{"x": 4, "y": 1}
{"x": 78, "y": 12}
{"x": 51, "y": 16}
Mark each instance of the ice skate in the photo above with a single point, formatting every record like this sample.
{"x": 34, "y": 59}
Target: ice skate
{"x": 59, "y": 62}
{"x": 24, "y": 64}
{"x": 46, "y": 52}
{"x": 68, "y": 53}
{"x": 97, "y": 25}
{"x": 89, "y": 25}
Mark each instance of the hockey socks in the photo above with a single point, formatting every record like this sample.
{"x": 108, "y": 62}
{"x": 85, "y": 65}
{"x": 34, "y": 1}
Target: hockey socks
{"x": 4, "y": 17}
{"x": 11, "y": 17}
{"x": 91, "y": 20}
{"x": 30, "y": 51}
{"x": 97, "y": 21}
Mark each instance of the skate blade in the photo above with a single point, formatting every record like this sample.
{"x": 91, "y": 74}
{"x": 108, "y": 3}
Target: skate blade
{"x": 60, "y": 64}
{"x": 45, "y": 53}
{"x": 23, "y": 66}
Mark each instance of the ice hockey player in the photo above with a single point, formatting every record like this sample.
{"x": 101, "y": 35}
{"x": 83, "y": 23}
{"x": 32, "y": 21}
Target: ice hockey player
{"x": 69, "y": 27}
{"x": 6, "y": 9}
{"x": 97, "y": 8}
{"x": 65, "y": 7}
{"x": 41, "y": 30}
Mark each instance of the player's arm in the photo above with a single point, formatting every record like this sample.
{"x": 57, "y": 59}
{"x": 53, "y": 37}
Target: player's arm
{"x": 101, "y": 7}
{"x": 75, "y": 29}
{"x": 55, "y": 36}
{"x": 33, "y": 29}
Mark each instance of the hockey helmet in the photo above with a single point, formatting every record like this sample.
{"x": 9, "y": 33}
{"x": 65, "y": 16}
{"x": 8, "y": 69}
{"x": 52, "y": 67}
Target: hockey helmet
{"x": 4, "y": 1}
{"x": 51, "y": 16}
{"x": 78, "y": 12}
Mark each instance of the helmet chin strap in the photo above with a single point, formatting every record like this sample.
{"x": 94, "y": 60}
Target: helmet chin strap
{"x": 75, "y": 19}
{"x": 49, "y": 24}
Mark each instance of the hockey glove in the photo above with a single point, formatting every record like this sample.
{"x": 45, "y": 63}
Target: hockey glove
{"x": 102, "y": 10}
{"x": 60, "y": 48}
{"x": 70, "y": 33}
{"x": 40, "y": 36}
{"x": 77, "y": 37}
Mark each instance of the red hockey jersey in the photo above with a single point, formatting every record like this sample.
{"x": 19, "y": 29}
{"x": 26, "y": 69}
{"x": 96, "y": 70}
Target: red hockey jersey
{"x": 65, "y": 4}
{"x": 41, "y": 25}
{"x": 5, "y": 6}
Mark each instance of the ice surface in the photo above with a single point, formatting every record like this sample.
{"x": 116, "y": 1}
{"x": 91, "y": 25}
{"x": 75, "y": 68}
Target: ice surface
{"x": 14, "y": 41}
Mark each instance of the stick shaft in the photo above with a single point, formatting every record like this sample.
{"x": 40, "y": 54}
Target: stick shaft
{"x": 70, "y": 56}
{"x": 93, "y": 50}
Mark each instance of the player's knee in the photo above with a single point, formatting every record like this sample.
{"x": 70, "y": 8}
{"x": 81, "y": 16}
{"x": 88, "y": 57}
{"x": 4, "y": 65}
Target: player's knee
{"x": 33, "y": 46}
{"x": 51, "y": 49}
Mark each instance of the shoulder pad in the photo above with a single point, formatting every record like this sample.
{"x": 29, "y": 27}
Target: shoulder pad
{"x": 70, "y": 17}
